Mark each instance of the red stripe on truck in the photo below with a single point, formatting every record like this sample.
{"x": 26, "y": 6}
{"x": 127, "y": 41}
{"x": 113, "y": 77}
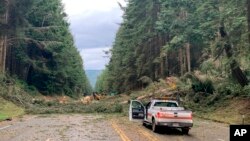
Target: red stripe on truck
{"x": 171, "y": 116}
{"x": 175, "y": 117}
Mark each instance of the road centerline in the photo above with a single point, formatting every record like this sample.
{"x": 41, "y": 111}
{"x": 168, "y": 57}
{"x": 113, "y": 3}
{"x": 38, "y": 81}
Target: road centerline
{"x": 119, "y": 132}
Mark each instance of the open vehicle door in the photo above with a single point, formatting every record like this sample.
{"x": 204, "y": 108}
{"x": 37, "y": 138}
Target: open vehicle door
{"x": 136, "y": 110}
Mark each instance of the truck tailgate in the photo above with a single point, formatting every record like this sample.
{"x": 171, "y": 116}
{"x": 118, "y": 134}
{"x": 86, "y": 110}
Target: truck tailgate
{"x": 174, "y": 115}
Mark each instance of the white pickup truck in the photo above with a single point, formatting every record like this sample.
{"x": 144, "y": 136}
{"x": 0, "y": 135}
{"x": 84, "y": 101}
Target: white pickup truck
{"x": 160, "y": 112}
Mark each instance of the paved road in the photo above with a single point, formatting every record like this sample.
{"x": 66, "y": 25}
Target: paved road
{"x": 203, "y": 130}
{"x": 102, "y": 128}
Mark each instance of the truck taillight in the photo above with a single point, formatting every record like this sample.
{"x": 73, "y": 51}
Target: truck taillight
{"x": 191, "y": 116}
{"x": 158, "y": 114}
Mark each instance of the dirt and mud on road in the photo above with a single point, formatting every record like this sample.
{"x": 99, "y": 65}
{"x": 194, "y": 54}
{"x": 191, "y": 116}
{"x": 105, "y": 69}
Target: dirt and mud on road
{"x": 102, "y": 128}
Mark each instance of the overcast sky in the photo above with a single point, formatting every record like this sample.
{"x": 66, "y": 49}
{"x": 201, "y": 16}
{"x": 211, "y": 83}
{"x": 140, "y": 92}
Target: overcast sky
{"x": 93, "y": 24}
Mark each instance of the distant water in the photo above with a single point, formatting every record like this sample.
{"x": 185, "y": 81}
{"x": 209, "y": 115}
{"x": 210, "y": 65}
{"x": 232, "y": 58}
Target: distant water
{"x": 92, "y": 76}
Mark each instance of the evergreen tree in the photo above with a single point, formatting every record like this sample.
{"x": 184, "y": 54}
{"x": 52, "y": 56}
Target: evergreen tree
{"x": 160, "y": 38}
{"x": 41, "y": 49}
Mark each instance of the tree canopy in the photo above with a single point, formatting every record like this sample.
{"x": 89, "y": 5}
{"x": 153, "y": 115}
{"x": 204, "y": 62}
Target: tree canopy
{"x": 39, "y": 47}
{"x": 161, "y": 38}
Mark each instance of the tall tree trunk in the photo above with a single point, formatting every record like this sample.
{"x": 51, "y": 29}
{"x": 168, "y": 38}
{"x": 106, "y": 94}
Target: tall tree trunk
{"x": 184, "y": 65}
{"x": 162, "y": 67}
{"x": 236, "y": 71}
{"x": 184, "y": 60}
{"x": 166, "y": 64}
{"x": 188, "y": 57}
{"x": 9, "y": 58}
{"x": 162, "y": 55}
{"x": 3, "y": 40}
{"x": 181, "y": 61}
{"x": 248, "y": 19}
{"x": 1, "y": 53}
{"x": 4, "y": 53}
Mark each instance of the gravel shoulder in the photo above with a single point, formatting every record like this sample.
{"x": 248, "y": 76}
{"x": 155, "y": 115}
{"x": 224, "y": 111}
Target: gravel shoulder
{"x": 58, "y": 128}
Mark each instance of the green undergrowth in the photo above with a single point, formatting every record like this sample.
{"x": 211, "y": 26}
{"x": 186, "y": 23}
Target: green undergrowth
{"x": 228, "y": 103}
{"x": 95, "y": 107}
{"x": 3, "y": 117}
{"x": 15, "y": 93}
{"x": 227, "y": 109}
{"x": 14, "y": 98}
{"x": 9, "y": 110}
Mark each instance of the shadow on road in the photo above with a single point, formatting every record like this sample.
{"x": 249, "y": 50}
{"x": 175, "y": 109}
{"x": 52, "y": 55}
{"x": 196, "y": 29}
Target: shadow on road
{"x": 168, "y": 131}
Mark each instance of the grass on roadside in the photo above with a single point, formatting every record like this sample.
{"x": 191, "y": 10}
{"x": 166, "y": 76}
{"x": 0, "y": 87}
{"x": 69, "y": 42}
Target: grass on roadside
{"x": 3, "y": 117}
{"x": 9, "y": 110}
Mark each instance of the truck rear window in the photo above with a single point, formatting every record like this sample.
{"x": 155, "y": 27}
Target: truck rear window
{"x": 165, "y": 104}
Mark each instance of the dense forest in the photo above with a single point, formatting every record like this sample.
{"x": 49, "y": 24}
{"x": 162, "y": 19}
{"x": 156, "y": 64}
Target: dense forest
{"x": 37, "y": 47}
{"x": 162, "y": 38}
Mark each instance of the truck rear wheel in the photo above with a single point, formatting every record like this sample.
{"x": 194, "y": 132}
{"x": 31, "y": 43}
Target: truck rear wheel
{"x": 185, "y": 130}
{"x": 154, "y": 126}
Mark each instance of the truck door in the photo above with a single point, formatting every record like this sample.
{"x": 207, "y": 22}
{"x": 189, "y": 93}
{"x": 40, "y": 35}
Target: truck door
{"x": 148, "y": 115}
{"x": 136, "y": 110}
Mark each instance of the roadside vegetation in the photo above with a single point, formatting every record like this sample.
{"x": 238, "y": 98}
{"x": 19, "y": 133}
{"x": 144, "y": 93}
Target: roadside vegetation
{"x": 9, "y": 110}
{"x": 18, "y": 99}
{"x": 9, "y": 106}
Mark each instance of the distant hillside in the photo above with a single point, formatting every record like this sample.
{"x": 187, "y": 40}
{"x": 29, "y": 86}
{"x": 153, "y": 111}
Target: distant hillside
{"x": 92, "y": 76}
